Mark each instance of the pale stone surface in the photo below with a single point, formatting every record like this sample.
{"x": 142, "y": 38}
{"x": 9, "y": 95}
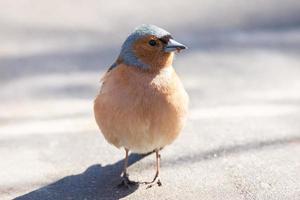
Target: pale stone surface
{"x": 242, "y": 139}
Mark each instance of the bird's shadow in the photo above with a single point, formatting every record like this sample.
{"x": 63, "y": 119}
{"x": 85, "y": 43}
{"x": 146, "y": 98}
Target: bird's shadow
{"x": 96, "y": 182}
{"x": 101, "y": 182}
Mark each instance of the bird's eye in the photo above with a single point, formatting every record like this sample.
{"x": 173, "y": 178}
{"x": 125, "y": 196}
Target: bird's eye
{"x": 152, "y": 42}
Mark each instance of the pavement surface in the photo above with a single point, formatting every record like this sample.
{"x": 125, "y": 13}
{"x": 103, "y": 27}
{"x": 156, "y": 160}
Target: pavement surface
{"x": 242, "y": 138}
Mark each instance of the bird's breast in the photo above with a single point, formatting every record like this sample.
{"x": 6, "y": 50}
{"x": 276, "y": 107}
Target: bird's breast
{"x": 136, "y": 105}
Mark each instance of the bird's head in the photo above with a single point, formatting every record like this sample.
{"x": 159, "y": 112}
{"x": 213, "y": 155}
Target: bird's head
{"x": 149, "y": 47}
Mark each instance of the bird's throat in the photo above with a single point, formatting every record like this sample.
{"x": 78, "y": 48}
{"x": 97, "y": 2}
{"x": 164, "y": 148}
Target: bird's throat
{"x": 158, "y": 62}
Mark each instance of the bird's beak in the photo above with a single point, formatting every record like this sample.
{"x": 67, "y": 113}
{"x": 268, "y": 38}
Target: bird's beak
{"x": 173, "y": 45}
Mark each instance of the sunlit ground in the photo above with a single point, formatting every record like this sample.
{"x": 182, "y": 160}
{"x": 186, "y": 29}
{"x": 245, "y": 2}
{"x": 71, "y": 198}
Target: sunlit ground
{"x": 242, "y": 137}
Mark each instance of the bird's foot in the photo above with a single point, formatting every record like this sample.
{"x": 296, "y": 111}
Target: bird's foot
{"x": 153, "y": 183}
{"x": 126, "y": 182}
{"x": 156, "y": 180}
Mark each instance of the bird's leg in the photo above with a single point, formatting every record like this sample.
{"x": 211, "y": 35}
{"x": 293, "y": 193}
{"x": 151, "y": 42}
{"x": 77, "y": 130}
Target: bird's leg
{"x": 156, "y": 177}
{"x": 125, "y": 179}
{"x": 125, "y": 163}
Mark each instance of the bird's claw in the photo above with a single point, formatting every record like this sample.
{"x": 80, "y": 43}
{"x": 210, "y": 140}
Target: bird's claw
{"x": 156, "y": 180}
{"x": 153, "y": 183}
{"x": 126, "y": 182}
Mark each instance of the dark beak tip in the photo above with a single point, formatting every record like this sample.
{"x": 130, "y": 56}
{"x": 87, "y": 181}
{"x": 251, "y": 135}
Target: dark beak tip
{"x": 180, "y": 48}
{"x": 185, "y": 47}
{"x": 174, "y": 46}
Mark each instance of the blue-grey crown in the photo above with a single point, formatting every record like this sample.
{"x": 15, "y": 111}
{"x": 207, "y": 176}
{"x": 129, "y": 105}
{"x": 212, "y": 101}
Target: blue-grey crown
{"x": 127, "y": 53}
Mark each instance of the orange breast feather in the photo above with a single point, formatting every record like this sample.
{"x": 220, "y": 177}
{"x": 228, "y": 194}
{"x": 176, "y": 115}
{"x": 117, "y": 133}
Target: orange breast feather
{"x": 140, "y": 110}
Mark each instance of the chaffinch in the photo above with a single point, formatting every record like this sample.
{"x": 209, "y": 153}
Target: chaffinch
{"x": 142, "y": 103}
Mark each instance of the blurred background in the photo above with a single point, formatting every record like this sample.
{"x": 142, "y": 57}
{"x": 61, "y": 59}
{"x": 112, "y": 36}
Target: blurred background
{"x": 242, "y": 72}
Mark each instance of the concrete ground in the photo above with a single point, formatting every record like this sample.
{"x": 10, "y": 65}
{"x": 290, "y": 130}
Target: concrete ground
{"x": 242, "y": 138}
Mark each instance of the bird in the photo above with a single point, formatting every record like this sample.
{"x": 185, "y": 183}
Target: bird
{"x": 142, "y": 104}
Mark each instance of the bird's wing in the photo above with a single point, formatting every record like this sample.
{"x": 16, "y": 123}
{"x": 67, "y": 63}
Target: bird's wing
{"x": 102, "y": 80}
{"x": 113, "y": 66}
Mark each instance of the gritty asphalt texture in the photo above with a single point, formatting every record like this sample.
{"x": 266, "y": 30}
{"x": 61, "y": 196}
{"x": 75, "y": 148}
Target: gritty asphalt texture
{"x": 242, "y": 137}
